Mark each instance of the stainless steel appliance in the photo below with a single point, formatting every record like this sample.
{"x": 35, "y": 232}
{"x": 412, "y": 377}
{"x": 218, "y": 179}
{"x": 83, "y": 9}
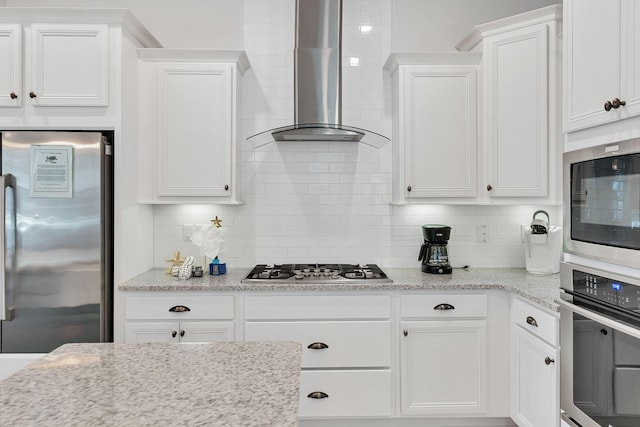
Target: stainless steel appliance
{"x": 600, "y": 344}
{"x": 56, "y": 285}
{"x": 434, "y": 253}
{"x": 602, "y": 203}
{"x": 316, "y": 274}
{"x": 317, "y": 72}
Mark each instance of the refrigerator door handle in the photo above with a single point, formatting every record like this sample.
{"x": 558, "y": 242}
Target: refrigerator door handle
{"x": 6, "y": 305}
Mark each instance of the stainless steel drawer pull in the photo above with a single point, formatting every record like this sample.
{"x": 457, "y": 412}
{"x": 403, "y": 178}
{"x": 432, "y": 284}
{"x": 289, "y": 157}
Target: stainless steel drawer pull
{"x": 549, "y": 361}
{"x": 317, "y": 395}
{"x": 317, "y": 346}
{"x": 444, "y": 307}
{"x": 179, "y": 309}
{"x": 532, "y": 321}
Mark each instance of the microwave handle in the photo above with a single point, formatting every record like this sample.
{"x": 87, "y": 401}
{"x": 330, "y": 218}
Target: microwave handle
{"x": 629, "y": 330}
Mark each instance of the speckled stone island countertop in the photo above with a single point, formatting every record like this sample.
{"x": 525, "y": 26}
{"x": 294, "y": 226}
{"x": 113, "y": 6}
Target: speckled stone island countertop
{"x": 540, "y": 289}
{"x": 216, "y": 384}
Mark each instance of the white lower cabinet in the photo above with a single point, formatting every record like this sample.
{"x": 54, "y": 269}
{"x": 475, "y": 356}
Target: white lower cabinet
{"x": 178, "y": 331}
{"x": 443, "y": 367}
{"x": 346, "y": 349}
{"x": 179, "y": 318}
{"x": 345, "y": 393}
{"x": 534, "y": 366}
{"x": 443, "y": 358}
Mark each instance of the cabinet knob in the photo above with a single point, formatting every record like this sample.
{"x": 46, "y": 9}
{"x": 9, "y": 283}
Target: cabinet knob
{"x": 607, "y": 106}
{"x": 444, "y": 307}
{"x": 173, "y": 334}
{"x": 226, "y": 187}
{"x": 405, "y": 332}
{"x": 548, "y": 360}
{"x": 409, "y": 188}
{"x": 603, "y": 331}
{"x": 532, "y": 321}
{"x": 616, "y": 103}
{"x": 317, "y": 346}
{"x": 179, "y": 309}
{"x": 32, "y": 94}
{"x": 13, "y": 95}
{"x": 489, "y": 187}
{"x": 317, "y": 395}
{"x": 182, "y": 332}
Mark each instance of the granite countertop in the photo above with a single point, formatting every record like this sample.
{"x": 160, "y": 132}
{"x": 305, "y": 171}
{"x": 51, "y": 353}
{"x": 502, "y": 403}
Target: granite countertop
{"x": 540, "y": 289}
{"x": 214, "y": 384}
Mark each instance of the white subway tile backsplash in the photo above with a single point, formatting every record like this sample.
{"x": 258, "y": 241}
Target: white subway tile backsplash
{"x": 329, "y": 201}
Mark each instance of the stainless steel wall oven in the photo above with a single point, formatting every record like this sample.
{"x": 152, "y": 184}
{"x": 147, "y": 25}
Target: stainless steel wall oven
{"x": 600, "y": 342}
{"x": 602, "y": 203}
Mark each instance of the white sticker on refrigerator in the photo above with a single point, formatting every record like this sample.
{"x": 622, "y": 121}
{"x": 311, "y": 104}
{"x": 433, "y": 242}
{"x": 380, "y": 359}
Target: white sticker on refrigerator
{"x": 51, "y": 171}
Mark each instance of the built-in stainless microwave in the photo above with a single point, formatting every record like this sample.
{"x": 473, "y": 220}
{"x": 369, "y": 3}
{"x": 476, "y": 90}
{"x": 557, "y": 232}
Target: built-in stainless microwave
{"x": 602, "y": 203}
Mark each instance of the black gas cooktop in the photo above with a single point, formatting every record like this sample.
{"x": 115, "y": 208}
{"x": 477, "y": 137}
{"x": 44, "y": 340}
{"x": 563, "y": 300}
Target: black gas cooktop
{"x": 316, "y": 273}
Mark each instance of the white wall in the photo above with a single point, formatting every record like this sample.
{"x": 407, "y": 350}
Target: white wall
{"x": 438, "y": 25}
{"x": 215, "y": 24}
{"x": 329, "y": 202}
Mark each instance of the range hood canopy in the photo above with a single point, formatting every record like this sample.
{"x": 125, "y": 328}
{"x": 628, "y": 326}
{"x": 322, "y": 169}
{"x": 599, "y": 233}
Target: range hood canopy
{"x": 318, "y": 81}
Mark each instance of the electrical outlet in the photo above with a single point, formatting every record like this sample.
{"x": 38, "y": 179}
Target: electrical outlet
{"x": 188, "y": 230}
{"x": 483, "y": 233}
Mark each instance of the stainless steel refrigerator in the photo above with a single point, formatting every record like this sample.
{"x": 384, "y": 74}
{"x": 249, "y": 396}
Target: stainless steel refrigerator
{"x": 56, "y": 240}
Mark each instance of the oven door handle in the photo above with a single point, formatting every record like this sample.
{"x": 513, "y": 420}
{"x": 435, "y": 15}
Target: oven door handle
{"x": 613, "y": 324}
{"x": 569, "y": 420}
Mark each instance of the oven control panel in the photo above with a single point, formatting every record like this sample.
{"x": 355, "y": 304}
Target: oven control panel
{"x": 615, "y": 292}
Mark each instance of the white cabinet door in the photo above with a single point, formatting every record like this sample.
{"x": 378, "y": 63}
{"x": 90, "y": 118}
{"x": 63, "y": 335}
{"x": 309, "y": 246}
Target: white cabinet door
{"x": 194, "y": 129}
{"x": 534, "y": 381}
{"x": 438, "y": 123}
{"x": 178, "y": 331}
{"x": 630, "y": 59}
{"x": 443, "y": 367}
{"x": 11, "y": 65}
{"x": 136, "y": 332}
{"x": 516, "y": 69}
{"x": 591, "y": 61}
{"x": 206, "y": 331}
{"x": 68, "y": 65}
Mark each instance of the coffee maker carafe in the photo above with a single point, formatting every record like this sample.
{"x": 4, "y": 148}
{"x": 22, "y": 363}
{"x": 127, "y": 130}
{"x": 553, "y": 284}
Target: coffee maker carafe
{"x": 434, "y": 253}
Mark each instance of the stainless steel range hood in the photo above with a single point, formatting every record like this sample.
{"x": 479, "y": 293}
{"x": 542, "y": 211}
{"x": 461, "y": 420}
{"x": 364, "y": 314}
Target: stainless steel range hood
{"x": 318, "y": 81}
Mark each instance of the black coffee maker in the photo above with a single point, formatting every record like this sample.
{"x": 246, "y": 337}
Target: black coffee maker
{"x": 434, "y": 253}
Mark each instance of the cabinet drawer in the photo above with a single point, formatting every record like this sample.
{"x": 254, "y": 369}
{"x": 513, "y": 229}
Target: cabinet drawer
{"x": 348, "y": 344}
{"x": 362, "y": 393}
{"x": 157, "y": 307}
{"x": 443, "y": 306}
{"x": 318, "y": 307}
{"x": 535, "y": 320}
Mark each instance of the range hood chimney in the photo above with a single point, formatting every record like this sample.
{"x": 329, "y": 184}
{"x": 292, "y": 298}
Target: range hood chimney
{"x": 318, "y": 81}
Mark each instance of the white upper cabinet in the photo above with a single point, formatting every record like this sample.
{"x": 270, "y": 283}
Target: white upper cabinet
{"x": 190, "y": 147}
{"x": 64, "y": 64}
{"x": 69, "y": 64}
{"x": 485, "y": 133}
{"x": 11, "y": 60}
{"x": 520, "y": 106}
{"x": 516, "y": 65}
{"x": 434, "y": 126}
{"x": 602, "y": 62}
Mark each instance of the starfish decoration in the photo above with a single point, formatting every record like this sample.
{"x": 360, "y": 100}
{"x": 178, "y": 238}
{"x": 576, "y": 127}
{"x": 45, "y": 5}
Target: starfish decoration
{"x": 177, "y": 260}
{"x": 217, "y": 222}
